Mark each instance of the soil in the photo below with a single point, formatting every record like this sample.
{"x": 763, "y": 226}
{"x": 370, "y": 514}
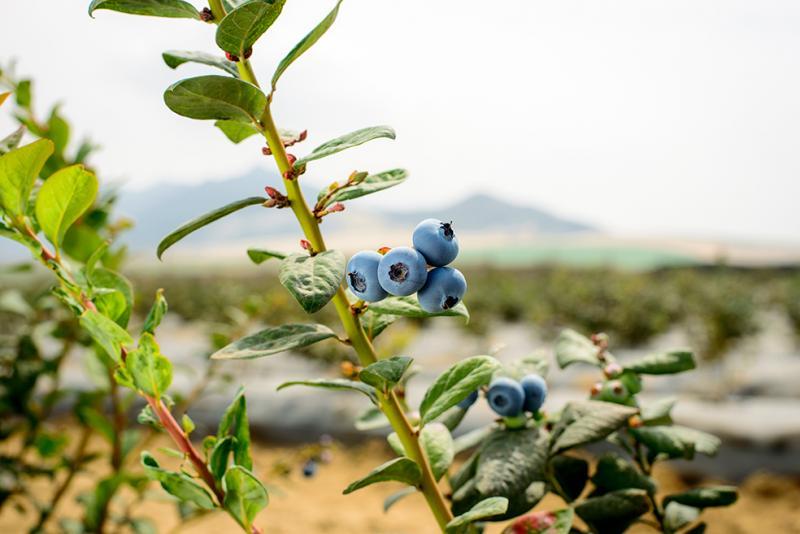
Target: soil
{"x": 768, "y": 503}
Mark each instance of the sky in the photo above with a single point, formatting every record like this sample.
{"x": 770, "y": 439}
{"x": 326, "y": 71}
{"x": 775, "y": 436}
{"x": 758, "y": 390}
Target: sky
{"x": 668, "y": 118}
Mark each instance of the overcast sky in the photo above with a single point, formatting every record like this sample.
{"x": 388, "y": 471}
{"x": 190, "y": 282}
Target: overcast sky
{"x": 644, "y": 117}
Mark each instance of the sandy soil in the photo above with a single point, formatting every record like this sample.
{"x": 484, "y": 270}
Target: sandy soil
{"x": 768, "y": 504}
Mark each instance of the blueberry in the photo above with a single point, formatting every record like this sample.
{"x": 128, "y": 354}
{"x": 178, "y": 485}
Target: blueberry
{"x": 437, "y": 241}
{"x": 505, "y": 397}
{"x": 613, "y": 391}
{"x": 469, "y": 401}
{"x": 362, "y": 276}
{"x": 443, "y": 290}
{"x": 402, "y": 271}
{"x": 535, "y": 389}
{"x": 309, "y": 468}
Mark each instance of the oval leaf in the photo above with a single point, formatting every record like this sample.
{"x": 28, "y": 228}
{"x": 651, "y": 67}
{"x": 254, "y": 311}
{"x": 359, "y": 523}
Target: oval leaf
{"x": 371, "y": 184}
{"x": 437, "y": 443}
{"x": 486, "y": 508}
{"x": 409, "y": 307}
{"x": 216, "y": 97}
{"x": 313, "y": 280}
{"x": 242, "y": 27}
{"x": 18, "y": 172}
{"x": 572, "y": 347}
{"x": 176, "y": 58}
{"x": 260, "y": 255}
{"x": 385, "y": 374}
{"x": 175, "y": 9}
{"x": 10, "y": 142}
{"x": 274, "y": 340}
{"x": 64, "y": 197}
{"x": 615, "y": 473}
{"x": 614, "y": 509}
{"x": 237, "y": 131}
{"x": 456, "y": 384}
{"x": 305, "y": 43}
{"x": 586, "y": 422}
{"x": 663, "y": 363}
{"x": 334, "y": 383}
{"x": 205, "y": 220}
{"x": 677, "y": 441}
{"x": 106, "y": 333}
{"x": 177, "y": 484}
{"x": 400, "y": 469}
{"x": 705, "y": 497}
{"x": 245, "y": 495}
{"x": 350, "y": 140}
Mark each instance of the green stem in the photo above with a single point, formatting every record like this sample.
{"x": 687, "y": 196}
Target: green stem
{"x": 390, "y": 405}
{"x": 217, "y": 9}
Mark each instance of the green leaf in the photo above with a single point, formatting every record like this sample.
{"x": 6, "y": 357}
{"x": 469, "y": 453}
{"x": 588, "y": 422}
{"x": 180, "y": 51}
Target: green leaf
{"x": 437, "y": 443}
{"x": 334, "y": 383}
{"x": 305, "y": 43}
{"x": 571, "y": 347}
{"x": 18, "y": 172}
{"x": 156, "y": 314}
{"x": 676, "y": 441}
{"x": 586, "y": 422}
{"x": 154, "y": 8}
{"x": 242, "y": 27}
{"x": 456, "y": 384}
{"x": 371, "y": 184}
{"x": 615, "y": 473}
{"x": 274, "y": 340}
{"x": 118, "y": 304}
{"x": 204, "y": 220}
{"x": 350, "y": 140}
{"x": 400, "y": 469}
{"x": 409, "y": 307}
{"x": 109, "y": 335}
{"x": 663, "y": 363}
{"x": 151, "y": 371}
{"x": 177, "y": 484}
{"x": 235, "y": 423}
{"x": 176, "y": 58}
{"x": 64, "y": 197}
{"x": 313, "y": 280}
{"x": 486, "y": 508}
{"x": 608, "y": 512}
{"x": 23, "y": 93}
{"x": 571, "y": 474}
{"x": 237, "y": 131}
{"x": 383, "y": 375}
{"x": 510, "y": 464}
{"x": 559, "y": 522}
{"x": 260, "y": 255}
{"x": 220, "y": 455}
{"x": 187, "y": 424}
{"x": 58, "y": 130}
{"x": 10, "y": 142}
{"x": 395, "y": 497}
{"x": 215, "y": 97}
{"x": 375, "y": 323}
{"x": 677, "y": 516}
{"x": 658, "y": 413}
{"x": 245, "y": 495}
{"x": 705, "y": 497}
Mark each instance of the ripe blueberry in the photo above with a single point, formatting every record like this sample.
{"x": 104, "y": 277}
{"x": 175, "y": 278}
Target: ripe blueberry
{"x": 362, "y": 276}
{"x": 469, "y": 401}
{"x": 535, "y": 389}
{"x": 505, "y": 397}
{"x": 402, "y": 271}
{"x": 443, "y": 290}
{"x": 309, "y": 468}
{"x": 437, "y": 241}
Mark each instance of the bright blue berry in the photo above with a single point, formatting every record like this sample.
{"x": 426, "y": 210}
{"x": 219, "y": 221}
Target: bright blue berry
{"x": 469, "y": 401}
{"x": 535, "y": 389}
{"x": 505, "y": 397}
{"x": 444, "y": 289}
{"x": 310, "y": 468}
{"x": 362, "y": 276}
{"x": 437, "y": 241}
{"x": 402, "y": 271}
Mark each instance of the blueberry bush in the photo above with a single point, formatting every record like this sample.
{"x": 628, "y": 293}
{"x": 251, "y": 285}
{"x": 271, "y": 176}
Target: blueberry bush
{"x": 514, "y": 462}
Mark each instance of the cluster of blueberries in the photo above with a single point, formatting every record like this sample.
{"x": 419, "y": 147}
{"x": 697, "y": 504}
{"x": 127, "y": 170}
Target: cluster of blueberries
{"x": 509, "y": 398}
{"x": 404, "y": 270}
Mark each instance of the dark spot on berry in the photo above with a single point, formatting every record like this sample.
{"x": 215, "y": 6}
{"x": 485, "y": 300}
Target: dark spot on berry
{"x": 618, "y": 389}
{"x": 449, "y": 234}
{"x": 450, "y": 302}
{"x": 500, "y": 401}
{"x": 358, "y": 281}
{"x": 398, "y": 272}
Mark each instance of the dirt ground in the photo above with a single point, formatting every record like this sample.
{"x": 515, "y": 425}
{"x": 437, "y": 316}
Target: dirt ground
{"x": 768, "y": 504}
